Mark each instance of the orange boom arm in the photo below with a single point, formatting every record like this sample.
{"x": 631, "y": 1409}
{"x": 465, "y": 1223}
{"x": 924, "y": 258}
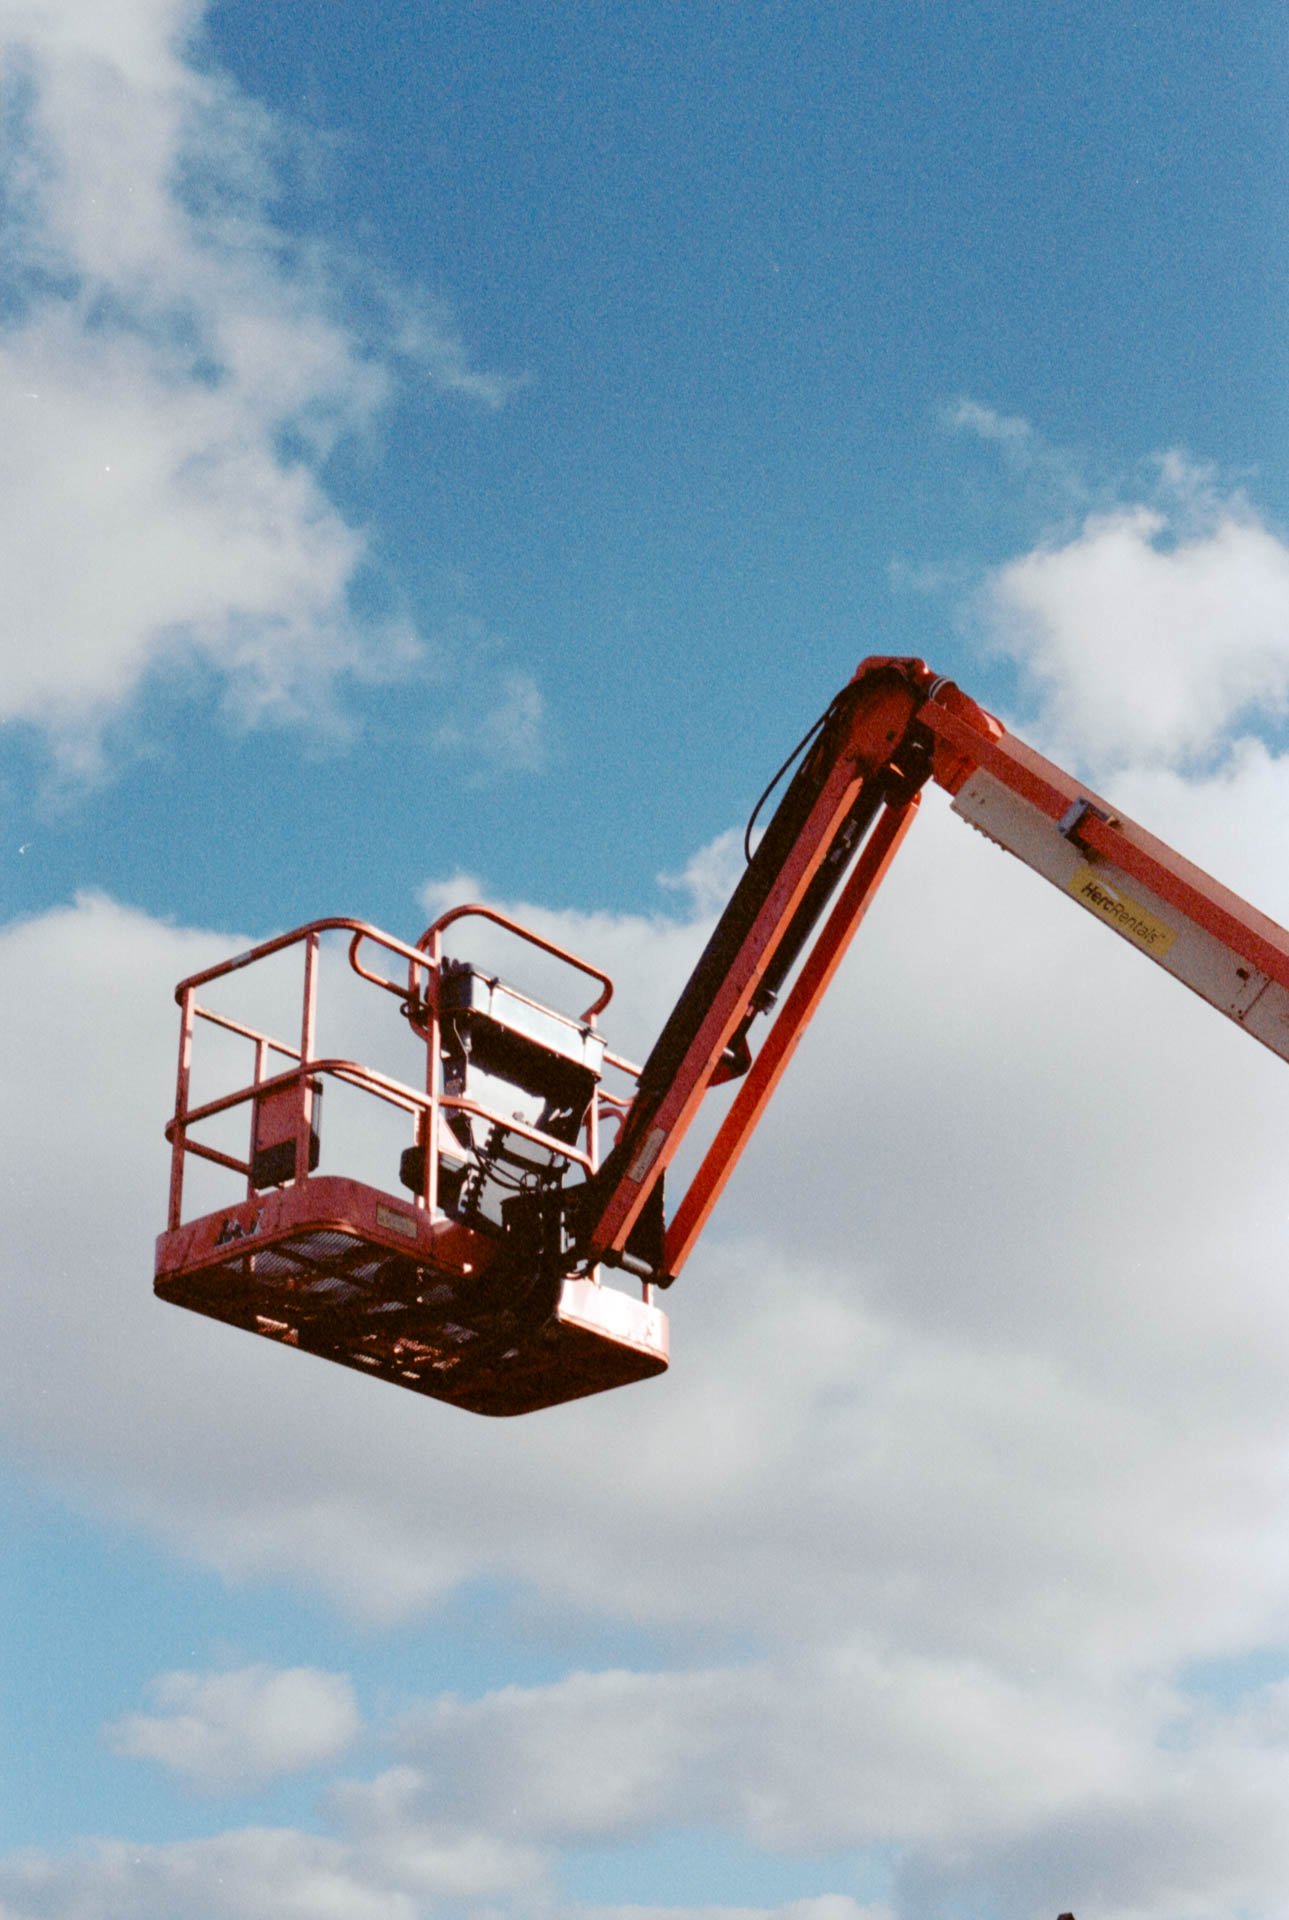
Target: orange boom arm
{"x": 854, "y": 797}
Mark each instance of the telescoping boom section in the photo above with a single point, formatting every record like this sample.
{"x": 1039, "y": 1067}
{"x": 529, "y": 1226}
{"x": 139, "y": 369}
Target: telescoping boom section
{"x": 503, "y": 1249}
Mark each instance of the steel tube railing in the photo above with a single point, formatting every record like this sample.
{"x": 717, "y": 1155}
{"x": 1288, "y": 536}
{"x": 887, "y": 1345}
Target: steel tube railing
{"x": 428, "y": 1107}
{"x": 431, "y": 942}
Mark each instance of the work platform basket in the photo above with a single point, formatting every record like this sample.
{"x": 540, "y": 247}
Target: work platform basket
{"x": 411, "y": 1272}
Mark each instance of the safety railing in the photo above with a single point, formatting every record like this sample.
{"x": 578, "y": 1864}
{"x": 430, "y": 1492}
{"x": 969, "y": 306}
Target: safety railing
{"x": 427, "y": 1106}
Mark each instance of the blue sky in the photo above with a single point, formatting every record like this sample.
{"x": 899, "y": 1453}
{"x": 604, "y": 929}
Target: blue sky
{"x": 460, "y": 449}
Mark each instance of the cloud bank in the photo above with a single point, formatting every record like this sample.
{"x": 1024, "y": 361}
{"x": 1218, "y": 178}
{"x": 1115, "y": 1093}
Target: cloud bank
{"x": 233, "y": 1731}
{"x": 972, "y": 1454}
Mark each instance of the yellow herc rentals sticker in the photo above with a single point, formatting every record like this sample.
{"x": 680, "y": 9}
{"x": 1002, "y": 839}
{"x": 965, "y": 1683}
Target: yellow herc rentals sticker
{"x": 1134, "y": 922}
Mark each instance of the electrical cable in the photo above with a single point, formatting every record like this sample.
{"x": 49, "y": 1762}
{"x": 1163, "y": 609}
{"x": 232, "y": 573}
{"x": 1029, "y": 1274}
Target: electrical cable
{"x": 807, "y": 738}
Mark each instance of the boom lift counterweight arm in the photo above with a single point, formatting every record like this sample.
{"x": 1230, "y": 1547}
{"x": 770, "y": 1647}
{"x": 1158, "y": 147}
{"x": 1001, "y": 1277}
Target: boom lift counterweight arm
{"x": 485, "y": 1289}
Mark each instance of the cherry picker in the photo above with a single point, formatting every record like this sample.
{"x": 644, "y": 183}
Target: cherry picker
{"x": 534, "y": 1161}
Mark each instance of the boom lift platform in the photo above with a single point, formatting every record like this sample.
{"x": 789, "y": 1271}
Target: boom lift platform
{"x": 534, "y": 1158}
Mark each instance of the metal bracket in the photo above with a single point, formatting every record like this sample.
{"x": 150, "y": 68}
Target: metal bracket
{"x": 1076, "y": 813}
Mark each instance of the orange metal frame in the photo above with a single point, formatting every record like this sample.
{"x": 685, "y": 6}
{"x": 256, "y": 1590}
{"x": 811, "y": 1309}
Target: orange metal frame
{"x": 808, "y": 886}
{"x": 780, "y": 1042}
{"x": 861, "y": 745}
{"x": 277, "y": 1262}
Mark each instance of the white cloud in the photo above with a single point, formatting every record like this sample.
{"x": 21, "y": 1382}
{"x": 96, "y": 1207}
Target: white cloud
{"x": 175, "y": 373}
{"x": 278, "y": 1874}
{"x": 251, "y": 1874}
{"x": 423, "y": 1848}
{"x": 828, "y": 1906}
{"x": 233, "y": 1731}
{"x": 710, "y": 876}
{"x": 150, "y": 517}
{"x": 1052, "y": 481}
{"x": 1147, "y": 628}
{"x": 510, "y": 735}
{"x": 769, "y": 1752}
{"x": 987, "y": 423}
{"x": 1145, "y": 644}
{"x": 1147, "y": 1807}
{"x": 1148, "y": 624}
{"x": 427, "y": 336}
{"x": 1206, "y": 1838}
